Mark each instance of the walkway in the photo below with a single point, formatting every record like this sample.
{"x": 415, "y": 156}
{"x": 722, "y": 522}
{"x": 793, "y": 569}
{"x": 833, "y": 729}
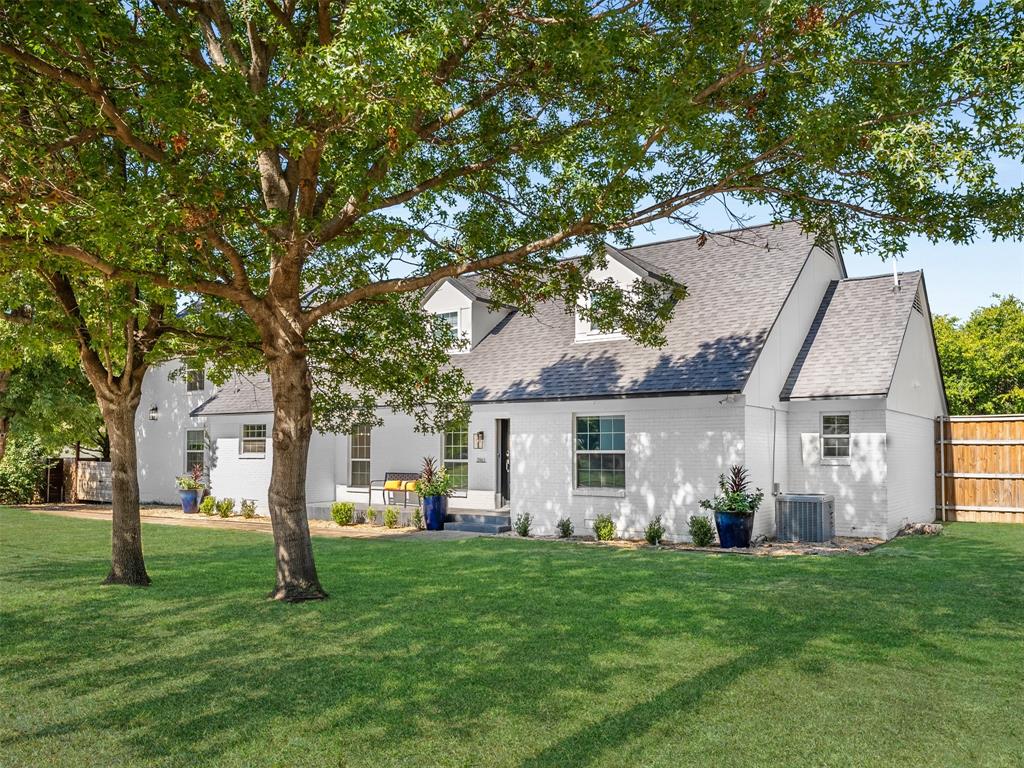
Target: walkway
{"x": 174, "y": 516}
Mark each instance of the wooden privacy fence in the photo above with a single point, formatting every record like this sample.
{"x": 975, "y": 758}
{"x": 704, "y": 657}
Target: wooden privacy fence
{"x": 979, "y": 464}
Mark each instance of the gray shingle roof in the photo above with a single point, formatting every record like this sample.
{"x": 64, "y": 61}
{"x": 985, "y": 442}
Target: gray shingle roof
{"x": 855, "y": 339}
{"x": 242, "y": 393}
{"x": 737, "y": 283}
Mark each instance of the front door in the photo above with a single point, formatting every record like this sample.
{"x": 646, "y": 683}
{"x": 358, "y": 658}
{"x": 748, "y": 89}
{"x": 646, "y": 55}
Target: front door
{"x": 504, "y": 463}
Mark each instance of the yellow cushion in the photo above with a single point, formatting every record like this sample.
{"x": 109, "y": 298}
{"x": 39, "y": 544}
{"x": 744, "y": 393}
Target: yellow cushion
{"x": 410, "y": 485}
{"x": 393, "y": 485}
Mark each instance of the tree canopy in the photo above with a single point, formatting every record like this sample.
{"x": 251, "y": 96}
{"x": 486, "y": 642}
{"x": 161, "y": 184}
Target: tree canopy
{"x": 983, "y": 358}
{"x": 308, "y": 167}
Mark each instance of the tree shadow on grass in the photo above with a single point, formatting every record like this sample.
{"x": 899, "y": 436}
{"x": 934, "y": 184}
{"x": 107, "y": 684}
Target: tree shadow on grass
{"x": 424, "y": 645}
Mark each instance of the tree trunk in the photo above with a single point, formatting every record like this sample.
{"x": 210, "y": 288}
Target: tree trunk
{"x": 3, "y": 437}
{"x": 126, "y": 563}
{"x": 292, "y": 387}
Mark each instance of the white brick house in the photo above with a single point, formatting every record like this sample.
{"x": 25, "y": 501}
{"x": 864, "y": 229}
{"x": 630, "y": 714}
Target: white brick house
{"x": 776, "y": 360}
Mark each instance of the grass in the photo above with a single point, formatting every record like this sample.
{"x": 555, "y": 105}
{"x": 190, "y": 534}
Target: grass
{"x": 504, "y": 652}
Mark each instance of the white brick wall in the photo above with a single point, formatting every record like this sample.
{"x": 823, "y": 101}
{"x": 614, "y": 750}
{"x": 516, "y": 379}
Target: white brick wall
{"x": 675, "y": 449}
{"x": 860, "y": 486}
{"x": 911, "y": 451}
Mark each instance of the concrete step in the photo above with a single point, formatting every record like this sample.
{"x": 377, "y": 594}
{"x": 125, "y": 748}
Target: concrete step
{"x": 477, "y": 527}
{"x": 483, "y": 518}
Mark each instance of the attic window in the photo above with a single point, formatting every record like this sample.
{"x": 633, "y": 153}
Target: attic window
{"x": 452, "y": 318}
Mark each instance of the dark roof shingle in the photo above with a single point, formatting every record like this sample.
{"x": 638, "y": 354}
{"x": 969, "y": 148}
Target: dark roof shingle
{"x": 854, "y": 342}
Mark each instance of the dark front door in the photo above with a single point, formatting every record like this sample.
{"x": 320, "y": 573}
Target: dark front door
{"x": 504, "y": 463}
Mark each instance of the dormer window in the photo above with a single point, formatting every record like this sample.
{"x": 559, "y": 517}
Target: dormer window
{"x": 195, "y": 378}
{"x": 452, "y": 318}
{"x": 586, "y": 330}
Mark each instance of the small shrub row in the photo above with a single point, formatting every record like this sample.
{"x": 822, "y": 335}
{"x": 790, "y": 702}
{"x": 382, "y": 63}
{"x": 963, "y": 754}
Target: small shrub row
{"x": 604, "y": 528}
{"x": 225, "y": 507}
{"x": 208, "y": 506}
{"x": 343, "y": 512}
{"x": 655, "y": 531}
{"x": 565, "y": 528}
{"x": 702, "y": 531}
{"x": 248, "y": 508}
{"x": 523, "y": 523}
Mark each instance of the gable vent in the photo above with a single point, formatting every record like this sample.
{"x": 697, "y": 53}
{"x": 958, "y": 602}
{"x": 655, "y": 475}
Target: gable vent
{"x": 918, "y": 304}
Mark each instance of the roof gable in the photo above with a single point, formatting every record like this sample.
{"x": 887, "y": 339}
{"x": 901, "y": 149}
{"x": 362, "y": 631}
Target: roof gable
{"x": 854, "y": 342}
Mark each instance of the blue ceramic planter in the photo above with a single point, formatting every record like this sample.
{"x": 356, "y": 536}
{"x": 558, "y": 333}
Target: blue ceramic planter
{"x": 434, "y": 510}
{"x": 734, "y": 529}
{"x": 189, "y": 501}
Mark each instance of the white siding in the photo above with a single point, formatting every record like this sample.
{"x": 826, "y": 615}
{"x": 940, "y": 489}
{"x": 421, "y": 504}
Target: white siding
{"x": 476, "y": 318}
{"x": 161, "y": 443}
{"x": 787, "y": 336}
{"x": 860, "y": 487}
{"x": 915, "y": 400}
{"x": 761, "y": 446}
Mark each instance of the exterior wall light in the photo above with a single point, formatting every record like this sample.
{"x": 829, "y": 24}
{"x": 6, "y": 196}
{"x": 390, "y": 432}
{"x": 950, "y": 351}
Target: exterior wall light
{"x": 154, "y": 413}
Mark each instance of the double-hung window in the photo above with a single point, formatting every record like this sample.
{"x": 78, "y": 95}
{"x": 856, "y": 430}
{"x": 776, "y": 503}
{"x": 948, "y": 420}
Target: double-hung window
{"x": 600, "y": 451}
{"x": 195, "y": 449}
{"x": 359, "y": 456}
{"x": 835, "y": 438}
{"x": 254, "y": 441}
{"x": 456, "y": 455}
{"x": 195, "y": 378}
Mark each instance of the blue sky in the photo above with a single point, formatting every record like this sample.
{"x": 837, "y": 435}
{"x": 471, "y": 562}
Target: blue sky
{"x": 960, "y": 278}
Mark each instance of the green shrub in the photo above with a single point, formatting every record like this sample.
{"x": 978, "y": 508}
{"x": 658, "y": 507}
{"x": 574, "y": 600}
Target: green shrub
{"x": 248, "y": 509}
{"x": 655, "y": 531}
{"x": 417, "y": 519}
{"x": 225, "y": 507}
{"x": 565, "y": 528}
{"x": 20, "y": 471}
{"x": 343, "y": 512}
{"x": 370, "y": 516}
{"x": 523, "y": 523}
{"x": 208, "y": 505}
{"x": 604, "y": 528}
{"x": 702, "y": 531}
{"x": 390, "y": 517}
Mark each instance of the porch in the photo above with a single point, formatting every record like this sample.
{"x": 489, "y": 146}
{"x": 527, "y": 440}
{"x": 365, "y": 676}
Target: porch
{"x": 488, "y": 521}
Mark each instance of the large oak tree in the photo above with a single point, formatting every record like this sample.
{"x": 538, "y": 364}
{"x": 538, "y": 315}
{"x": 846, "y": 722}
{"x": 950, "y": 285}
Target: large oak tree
{"x": 312, "y": 163}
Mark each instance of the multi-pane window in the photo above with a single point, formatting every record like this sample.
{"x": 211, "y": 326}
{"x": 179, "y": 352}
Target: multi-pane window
{"x": 359, "y": 456}
{"x": 254, "y": 440}
{"x": 195, "y": 378}
{"x": 600, "y": 452}
{"x": 195, "y": 449}
{"x": 835, "y": 436}
{"x": 456, "y": 455}
{"x": 452, "y": 319}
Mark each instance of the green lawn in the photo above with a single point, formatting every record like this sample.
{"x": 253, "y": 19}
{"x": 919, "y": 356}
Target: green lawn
{"x": 498, "y": 652}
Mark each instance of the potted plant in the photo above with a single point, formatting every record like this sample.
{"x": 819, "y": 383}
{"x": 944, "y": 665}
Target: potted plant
{"x": 434, "y": 487}
{"x": 734, "y": 508}
{"x": 190, "y": 488}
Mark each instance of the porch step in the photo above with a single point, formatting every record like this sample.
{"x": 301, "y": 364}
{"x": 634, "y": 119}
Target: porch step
{"x": 477, "y": 522}
{"x": 477, "y": 527}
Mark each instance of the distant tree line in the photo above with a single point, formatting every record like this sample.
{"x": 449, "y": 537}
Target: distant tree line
{"x": 983, "y": 358}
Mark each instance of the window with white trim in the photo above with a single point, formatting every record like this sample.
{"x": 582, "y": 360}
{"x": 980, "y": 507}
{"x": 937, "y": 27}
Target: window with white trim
{"x": 253, "y": 442}
{"x": 455, "y": 450}
{"x": 195, "y": 378}
{"x": 835, "y": 437}
{"x": 359, "y": 456}
{"x": 600, "y": 447}
{"x": 195, "y": 449}
{"x": 452, "y": 319}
